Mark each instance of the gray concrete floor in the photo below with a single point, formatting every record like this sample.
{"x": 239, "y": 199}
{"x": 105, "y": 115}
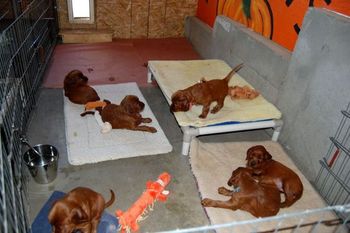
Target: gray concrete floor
{"x": 127, "y": 177}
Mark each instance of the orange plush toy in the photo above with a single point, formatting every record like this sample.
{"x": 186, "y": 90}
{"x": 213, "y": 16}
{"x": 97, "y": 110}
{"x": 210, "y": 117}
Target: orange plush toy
{"x": 245, "y": 92}
{"x": 155, "y": 190}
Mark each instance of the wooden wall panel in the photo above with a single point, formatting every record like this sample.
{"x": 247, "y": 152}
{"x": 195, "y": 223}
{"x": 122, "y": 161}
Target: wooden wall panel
{"x": 135, "y": 18}
{"x": 139, "y": 18}
{"x": 156, "y": 21}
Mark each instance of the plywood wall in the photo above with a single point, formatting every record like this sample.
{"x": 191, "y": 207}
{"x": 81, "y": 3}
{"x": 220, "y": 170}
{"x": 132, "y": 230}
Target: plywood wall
{"x": 135, "y": 18}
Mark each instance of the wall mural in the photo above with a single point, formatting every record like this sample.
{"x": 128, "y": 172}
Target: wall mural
{"x": 278, "y": 20}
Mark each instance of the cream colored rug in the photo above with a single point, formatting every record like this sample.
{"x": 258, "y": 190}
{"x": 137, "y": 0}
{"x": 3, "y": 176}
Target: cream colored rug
{"x": 212, "y": 165}
{"x": 86, "y": 144}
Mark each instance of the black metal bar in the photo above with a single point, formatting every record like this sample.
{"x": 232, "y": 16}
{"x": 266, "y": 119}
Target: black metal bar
{"x": 340, "y": 146}
{"x": 346, "y": 113}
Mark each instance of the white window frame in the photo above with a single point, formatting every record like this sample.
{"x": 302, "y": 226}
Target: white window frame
{"x": 88, "y": 20}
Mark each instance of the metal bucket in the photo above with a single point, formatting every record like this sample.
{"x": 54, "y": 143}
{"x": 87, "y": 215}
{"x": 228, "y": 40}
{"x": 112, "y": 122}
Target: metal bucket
{"x": 42, "y": 167}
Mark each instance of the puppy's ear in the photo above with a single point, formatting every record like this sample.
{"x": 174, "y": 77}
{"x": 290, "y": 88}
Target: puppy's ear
{"x": 175, "y": 94}
{"x": 267, "y": 155}
{"x": 78, "y": 216}
{"x": 52, "y": 214}
{"x": 249, "y": 152}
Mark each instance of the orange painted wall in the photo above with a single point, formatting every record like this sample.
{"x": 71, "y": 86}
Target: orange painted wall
{"x": 279, "y": 20}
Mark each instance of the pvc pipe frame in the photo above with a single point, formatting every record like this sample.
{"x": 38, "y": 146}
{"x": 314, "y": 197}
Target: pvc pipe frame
{"x": 191, "y": 132}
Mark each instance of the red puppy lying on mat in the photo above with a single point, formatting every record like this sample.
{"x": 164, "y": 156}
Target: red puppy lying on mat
{"x": 81, "y": 209}
{"x": 127, "y": 115}
{"x": 271, "y": 172}
{"x": 77, "y": 90}
{"x": 258, "y": 199}
{"x": 203, "y": 93}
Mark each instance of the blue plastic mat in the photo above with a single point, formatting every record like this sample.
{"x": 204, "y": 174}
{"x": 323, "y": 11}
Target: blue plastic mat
{"x": 108, "y": 223}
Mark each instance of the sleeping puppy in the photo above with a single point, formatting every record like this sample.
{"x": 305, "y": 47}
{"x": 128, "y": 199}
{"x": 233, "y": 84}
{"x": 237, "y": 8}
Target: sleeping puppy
{"x": 203, "y": 93}
{"x": 269, "y": 171}
{"x": 127, "y": 115}
{"x": 258, "y": 199}
{"x": 77, "y": 90}
{"x": 79, "y": 210}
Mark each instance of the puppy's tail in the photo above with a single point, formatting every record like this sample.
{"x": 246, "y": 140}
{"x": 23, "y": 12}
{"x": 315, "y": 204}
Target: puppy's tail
{"x": 110, "y": 202}
{"x": 86, "y": 113}
{"x": 233, "y": 71}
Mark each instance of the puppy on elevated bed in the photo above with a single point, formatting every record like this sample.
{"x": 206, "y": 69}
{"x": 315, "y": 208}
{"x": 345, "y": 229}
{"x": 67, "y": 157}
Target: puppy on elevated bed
{"x": 203, "y": 93}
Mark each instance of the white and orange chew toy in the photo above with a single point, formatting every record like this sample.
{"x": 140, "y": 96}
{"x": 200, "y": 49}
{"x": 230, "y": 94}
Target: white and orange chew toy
{"x": 155, "y": 190}
{"x": 105, "y": 126}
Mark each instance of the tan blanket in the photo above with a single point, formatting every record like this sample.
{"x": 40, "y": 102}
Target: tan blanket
{"x": 176, "y": 75}
{"x": 212, "y": 165}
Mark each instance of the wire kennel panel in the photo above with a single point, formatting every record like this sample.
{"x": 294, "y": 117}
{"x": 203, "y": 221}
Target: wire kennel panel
{"x": 26, "y": 45}
{"x": 30, "y": 42}
{"x": 305, "y": 222}
{"x": 333, "y": 179}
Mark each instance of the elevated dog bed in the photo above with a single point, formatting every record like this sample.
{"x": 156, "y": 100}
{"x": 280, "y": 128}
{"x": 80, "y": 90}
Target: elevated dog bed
{"x": 212, "y": 165}
{"x": 236, "y": 115}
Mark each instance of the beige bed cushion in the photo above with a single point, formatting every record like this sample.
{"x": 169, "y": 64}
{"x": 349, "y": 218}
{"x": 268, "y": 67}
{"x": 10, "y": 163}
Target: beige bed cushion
{"x": 175, "y": 75}
{"x": 212, "y": 165}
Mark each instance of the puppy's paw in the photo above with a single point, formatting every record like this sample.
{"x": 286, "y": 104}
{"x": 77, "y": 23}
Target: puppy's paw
{"x": 206, "y": 202}
{"x": 215, "y": 109}
{"x": 153, "y": 130}
{"x": 146, "y": 120}
{"x": 222, "y": 190}
{"x": 203, "y": 116}
{"x": 106, "y": 127}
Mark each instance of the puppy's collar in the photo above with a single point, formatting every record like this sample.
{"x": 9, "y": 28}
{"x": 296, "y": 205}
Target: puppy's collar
{"x": 236, "y": 189}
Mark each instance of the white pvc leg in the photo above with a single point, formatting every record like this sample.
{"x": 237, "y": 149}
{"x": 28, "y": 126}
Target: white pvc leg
{"x": 188, "y": 134}
{"x": 277, "y": 131}
{"x": 149, "y": 76}
{"x": 275, "y": 135}
{"x": 185, "y": 148}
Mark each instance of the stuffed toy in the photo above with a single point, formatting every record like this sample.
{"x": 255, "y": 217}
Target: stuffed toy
{"x": 94, "y": 105}
{"x": 245, "y": 92}
{"x": 155, "y": 190}
{"x": 105, "y": 126}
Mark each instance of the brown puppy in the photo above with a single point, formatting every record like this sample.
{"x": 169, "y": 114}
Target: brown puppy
{"x": 77, "y": 90}
{"x": 127, "y": 115}
{"x": 132, "y": 104}
{"x": 259, "y": 200}
{"x": 203, "y": 93}
{"x": 80, "y": 209}
{"x": 269, "y": 171}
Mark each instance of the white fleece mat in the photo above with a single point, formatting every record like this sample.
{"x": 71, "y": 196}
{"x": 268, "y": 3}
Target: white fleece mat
{"x": 86, "y": 144}
{"x": 212, "y": 165}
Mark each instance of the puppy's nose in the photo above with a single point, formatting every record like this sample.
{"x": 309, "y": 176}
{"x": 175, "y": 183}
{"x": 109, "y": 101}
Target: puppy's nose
{"x": 229, "y": 183}
{"x": 85, "y": 78}
{"x": 172, "y": 108}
